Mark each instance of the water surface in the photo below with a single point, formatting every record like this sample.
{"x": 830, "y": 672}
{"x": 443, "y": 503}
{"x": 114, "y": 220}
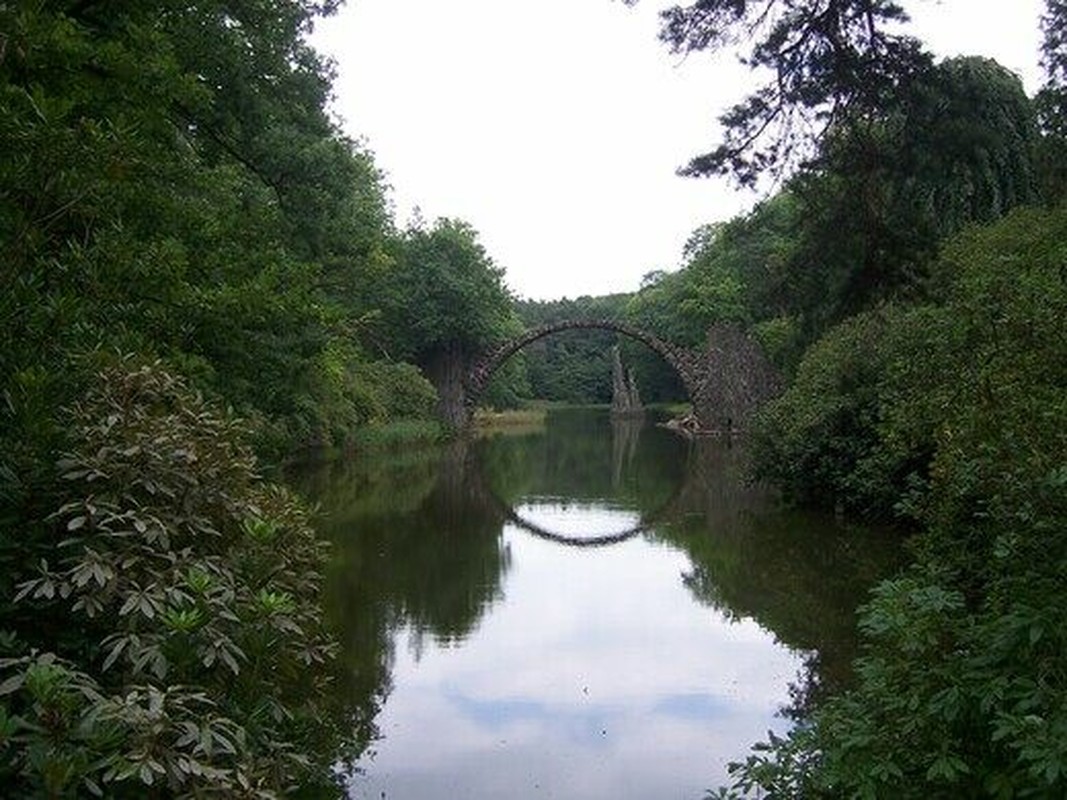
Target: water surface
{"x": 585, "y": 610}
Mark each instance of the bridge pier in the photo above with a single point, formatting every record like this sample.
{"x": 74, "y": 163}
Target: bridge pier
{"x": 728, "y": 381}
{"x": 447, "y": 371}
{"x": 735, "y": 380}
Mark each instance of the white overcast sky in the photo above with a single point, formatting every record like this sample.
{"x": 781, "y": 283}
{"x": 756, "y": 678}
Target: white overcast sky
{"x": 555, "y": 127}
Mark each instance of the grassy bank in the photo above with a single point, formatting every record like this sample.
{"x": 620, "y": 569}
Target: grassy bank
{"x": 511, "y": 419}
{"x": 376, "y": 438}
{"x": 397, "y": 434}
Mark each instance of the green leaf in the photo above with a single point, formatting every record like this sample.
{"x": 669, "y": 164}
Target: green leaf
{"x": 12, "y": 684}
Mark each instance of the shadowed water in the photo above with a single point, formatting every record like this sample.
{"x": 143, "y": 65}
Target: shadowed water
{"x": 586, "y": 610}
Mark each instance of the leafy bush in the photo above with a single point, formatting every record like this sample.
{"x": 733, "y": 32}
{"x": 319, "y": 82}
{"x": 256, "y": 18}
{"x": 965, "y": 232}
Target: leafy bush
{"x": 188, "y": 591}
{"x": 386, "y": 392}
{"x": 878, "y": 394}
{"x": 826, "y": 440}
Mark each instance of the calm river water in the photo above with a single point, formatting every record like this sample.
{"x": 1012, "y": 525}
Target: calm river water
{"x": 582, "y": 610}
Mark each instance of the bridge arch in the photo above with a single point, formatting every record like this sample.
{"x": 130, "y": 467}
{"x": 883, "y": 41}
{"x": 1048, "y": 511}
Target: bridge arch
{"x": 686, "y": 362}
{"x": 726, "y": 381}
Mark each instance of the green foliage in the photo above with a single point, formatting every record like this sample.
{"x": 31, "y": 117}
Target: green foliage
{"x": 571, "y": 367}
{"x": 736, "y": 271}
{"x": 444, "y": 297}
{"x": 429, "y": 557}
{"x": 400, "y": 434}
{"x": 575, "y": 367}
{"x": 1054, "y": 59}
{"x": 956, "y": 146}
{"x": 1051, "y": 103}
{"x": 195, "y": 589}
{"x": 680, "y": 306}
{"x": 817, "y": 64}
{"x": 982, "y": 716}
{"x": 827, "y": 440}
{"x": 176, "y": 188}
{"x": 967, "y": 136}
{"x": 963, "y": 686}
{"x": 872, "y": 400}
{"x": 446, "y": 293}
{"x": 509, "y": 387}
{"x": 1000, "y": 453}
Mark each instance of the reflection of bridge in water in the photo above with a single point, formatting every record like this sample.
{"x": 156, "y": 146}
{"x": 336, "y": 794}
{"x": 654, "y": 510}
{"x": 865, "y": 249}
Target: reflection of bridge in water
{"x": 596, "y": 540}
{"x": 702, "y": 492}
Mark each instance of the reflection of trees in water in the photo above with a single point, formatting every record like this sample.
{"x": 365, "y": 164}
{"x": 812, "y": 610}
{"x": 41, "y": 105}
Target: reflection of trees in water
{"x": 417, "y": 545}
{"x": 625, "y": 435}
{"x": 350, "y": 493}
{"x": 800, "y": 576}
{"x": 411, "y": 548}
{"x": 451, "y": 559}
{"x": 435, "y": 565}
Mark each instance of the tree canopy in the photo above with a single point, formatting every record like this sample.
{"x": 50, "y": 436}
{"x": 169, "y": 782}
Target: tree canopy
{"x": 186, "y": 239}
{"x": 446, "y": 292}
{"x": 822, "y": 64}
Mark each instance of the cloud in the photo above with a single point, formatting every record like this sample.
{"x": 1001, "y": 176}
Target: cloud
{"x": 555, "y": 127}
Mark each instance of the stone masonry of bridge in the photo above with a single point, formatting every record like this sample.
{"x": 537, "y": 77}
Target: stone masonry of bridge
{"x": 727, "y": 381}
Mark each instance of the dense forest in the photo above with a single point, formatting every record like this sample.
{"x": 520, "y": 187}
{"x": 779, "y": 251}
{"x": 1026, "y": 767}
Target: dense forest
{"x": 202, "y": 276}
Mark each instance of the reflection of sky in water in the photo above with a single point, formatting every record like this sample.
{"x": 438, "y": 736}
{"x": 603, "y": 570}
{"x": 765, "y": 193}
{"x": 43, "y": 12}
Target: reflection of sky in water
{"x": 596, "y": 677}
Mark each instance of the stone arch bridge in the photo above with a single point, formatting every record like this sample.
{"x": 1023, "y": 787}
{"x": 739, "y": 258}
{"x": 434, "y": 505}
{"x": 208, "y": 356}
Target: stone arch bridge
{"x": 726, "y": 381}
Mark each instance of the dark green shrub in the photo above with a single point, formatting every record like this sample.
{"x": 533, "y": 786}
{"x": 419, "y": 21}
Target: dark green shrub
{"x": 826, "y": 441}
{"x": 198, "y": 666}
{"x": 386, "y": 391}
